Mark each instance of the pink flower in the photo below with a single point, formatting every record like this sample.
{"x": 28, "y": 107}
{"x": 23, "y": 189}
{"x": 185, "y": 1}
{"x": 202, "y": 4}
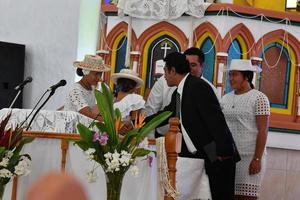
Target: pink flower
{"x": 96, "y": 137}
{"x": 103, "y": 139}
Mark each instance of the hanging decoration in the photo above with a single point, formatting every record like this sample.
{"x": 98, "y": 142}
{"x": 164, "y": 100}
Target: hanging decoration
{"x": 162, "y": 9}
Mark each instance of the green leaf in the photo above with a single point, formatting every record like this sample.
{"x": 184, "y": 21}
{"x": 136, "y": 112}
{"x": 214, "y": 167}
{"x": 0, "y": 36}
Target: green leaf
{"x": 109, "y": 96}
{"x": 145, "y": 130}
{"x": 101, "y": 126}
{"x": 2, "y": 150}
{"x": 82, "y": 144}
{"x": 107, "y": 115}
{"x": 140, "y": 152}
{"x": 86, "y": 134}
{"x": 16, "y": 137}
{"x": 13, "y": 160}
{"x": 128, "y": 138}
{"x": 22, "y": 143}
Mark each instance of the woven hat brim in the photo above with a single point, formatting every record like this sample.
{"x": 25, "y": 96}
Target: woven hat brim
{"x": 82, "y": 65}
{"x": 115, "y": 77}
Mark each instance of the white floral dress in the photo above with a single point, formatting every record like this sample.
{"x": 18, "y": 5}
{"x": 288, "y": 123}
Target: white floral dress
{"x": 79, "y": 97}
{"x": 240, "y": 113}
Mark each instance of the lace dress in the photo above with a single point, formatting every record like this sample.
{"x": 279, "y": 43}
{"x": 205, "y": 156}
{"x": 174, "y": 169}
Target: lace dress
{"x": 240, "y": 113}
{"x": 78, "y": 98}
{"x": 130, "y": 102}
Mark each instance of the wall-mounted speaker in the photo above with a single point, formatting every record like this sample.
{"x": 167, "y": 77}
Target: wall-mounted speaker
{"x": 12, "y": 58}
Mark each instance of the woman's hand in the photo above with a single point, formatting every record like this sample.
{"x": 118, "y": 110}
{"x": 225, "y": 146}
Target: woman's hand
{"x": 255, "y": 166}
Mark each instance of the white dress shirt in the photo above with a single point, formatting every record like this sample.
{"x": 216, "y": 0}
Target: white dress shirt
{"x": 189, "y": 144}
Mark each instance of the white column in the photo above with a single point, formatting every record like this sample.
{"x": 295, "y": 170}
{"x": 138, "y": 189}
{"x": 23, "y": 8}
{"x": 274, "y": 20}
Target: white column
{"x": 135, "y": 60}
{"x": 129, "y": 31}
{"x": 221, "y": 62}
{"x": 191, "y": 32}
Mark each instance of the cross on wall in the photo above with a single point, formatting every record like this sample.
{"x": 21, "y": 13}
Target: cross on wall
{"x": 165, "y": 48}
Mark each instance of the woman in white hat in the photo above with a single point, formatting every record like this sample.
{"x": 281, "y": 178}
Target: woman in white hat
{"x": 247, "y": 113}
{"x": 81, "y": 97}
{"x": 127, "y": 82}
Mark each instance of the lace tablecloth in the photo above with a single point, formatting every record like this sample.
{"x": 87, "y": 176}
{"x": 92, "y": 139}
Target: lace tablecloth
{"x": 162, "y": 9}
{"x": 46, "y": 120}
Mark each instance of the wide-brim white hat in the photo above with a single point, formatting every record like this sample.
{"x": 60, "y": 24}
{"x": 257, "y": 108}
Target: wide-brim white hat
{"x": 92, "y": 63}
{"x": 129, "y": 74}
{"x": 243, "y": 65}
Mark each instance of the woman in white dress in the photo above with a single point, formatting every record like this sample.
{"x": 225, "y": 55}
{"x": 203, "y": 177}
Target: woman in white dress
{"x": 247, "y": 113}
{"x": 126, "y": 84}
{"x": 81, "y": 97}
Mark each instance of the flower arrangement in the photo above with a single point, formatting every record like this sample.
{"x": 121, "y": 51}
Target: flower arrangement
{"x": 114, "y": 152}
{"x": 12, "y": 163}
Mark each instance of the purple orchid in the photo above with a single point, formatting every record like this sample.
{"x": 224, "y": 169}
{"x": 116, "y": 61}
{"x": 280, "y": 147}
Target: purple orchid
{"x": 103, "y": 139}
{"x": 96, "y": 136}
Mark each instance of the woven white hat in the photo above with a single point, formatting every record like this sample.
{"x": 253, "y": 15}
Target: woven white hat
{"x": 243, "y": 65}
{"x": 129, "y": 74}
{"x": 92, "y": 63}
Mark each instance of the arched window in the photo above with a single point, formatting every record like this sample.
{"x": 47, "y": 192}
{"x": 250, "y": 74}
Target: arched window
{"x": 120, "y": 54}
{"x": 275, "y": 75}
{"x": 234, "y": 52}
{"x": 158, "y": 49}
{"x": 209, "y": 54}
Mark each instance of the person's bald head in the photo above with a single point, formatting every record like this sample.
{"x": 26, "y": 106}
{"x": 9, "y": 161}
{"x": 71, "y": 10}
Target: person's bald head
{"x": 56, "y": 186}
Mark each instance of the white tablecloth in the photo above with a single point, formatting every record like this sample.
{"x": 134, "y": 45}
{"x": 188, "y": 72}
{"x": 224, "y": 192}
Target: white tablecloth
{"x": 46, "y": 120}
{"x": 46, "y": 156}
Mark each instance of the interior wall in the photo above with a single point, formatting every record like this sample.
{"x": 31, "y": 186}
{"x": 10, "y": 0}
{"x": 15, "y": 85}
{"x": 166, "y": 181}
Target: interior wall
{"x": 56, "y": 33}
{"x": 223, "y": 24}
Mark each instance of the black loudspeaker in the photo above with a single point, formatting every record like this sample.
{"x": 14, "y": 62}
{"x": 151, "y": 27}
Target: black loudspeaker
{"x": 12, "y": 58}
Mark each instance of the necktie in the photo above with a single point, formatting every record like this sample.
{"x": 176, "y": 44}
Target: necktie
{"x": 178, "y": 105}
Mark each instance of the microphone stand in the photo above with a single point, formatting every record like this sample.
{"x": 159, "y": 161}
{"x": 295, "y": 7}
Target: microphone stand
{"x": 34, "y": 108}
{"x": 19, "y": 92}
{"x": 37, "y": 111}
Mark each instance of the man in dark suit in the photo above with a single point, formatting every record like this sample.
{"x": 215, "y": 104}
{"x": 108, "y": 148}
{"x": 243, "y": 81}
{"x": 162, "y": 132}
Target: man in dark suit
{"x": 204, "y": 129}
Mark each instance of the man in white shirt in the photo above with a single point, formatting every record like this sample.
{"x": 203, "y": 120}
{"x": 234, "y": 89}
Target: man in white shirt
{"x": 161, "y": 93}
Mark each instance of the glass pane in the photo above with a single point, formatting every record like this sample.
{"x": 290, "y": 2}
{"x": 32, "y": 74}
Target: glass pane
{"x": 121, "y": 53}
{"x": 158, "y": 49}
{"x": 209, "y": 63}
{"x": 275, "y": 75}
{"x": 234, "y": 52}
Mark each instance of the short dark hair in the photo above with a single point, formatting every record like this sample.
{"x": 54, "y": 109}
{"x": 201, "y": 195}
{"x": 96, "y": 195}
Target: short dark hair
{"x": 194, "y": 51}
{"x": 178, "y": 61}
{"x": 125, "y": 84}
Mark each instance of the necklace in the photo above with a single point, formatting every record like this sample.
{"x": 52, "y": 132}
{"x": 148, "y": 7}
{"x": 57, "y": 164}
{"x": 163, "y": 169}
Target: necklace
{"x": 235, "y": 100}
